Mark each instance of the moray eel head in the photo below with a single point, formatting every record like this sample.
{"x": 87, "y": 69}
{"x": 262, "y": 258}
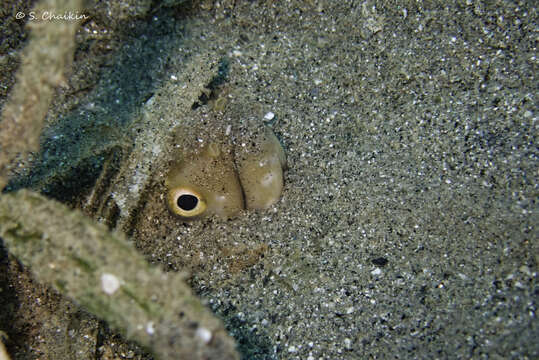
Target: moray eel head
{"x": 205, "y": 183}
{"x": 260, "y": 170}
{"x": 222, "y": 179}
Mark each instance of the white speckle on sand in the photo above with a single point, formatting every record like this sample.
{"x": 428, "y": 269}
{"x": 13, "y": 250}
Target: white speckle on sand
{"x": 462, "y": 276}
{"x": 269, "y": 116}
{"x": 156, "y": 150}
{"x": 134, "y": 188}
{"x": 203, "y": 334}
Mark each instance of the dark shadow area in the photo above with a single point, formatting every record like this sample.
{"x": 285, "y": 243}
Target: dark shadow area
{"x": 16, "y": 337}
{"x": 76, "y": 145}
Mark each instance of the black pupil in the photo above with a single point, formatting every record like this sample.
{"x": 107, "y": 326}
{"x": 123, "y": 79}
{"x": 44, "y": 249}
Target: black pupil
{"x": 187, "y": 202}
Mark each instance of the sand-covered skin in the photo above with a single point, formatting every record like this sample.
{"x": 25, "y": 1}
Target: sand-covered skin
{"x": 407, "y": 226}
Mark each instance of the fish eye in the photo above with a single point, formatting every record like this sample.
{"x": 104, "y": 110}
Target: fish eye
{"x": 186, "y": 202}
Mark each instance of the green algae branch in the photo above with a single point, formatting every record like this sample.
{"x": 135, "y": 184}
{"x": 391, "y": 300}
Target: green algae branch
{"x": 101, "y": 271}
{"x": 43, "y": 63}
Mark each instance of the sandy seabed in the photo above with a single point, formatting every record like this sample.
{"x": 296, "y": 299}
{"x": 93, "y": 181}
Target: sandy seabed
{"x": 408, "y": 224}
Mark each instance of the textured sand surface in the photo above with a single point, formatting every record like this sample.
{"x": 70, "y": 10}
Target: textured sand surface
{"x": 408, "y": 224}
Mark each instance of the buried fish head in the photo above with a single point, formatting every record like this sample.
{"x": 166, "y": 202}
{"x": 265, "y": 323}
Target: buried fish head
{"x": 221, "y": 178}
